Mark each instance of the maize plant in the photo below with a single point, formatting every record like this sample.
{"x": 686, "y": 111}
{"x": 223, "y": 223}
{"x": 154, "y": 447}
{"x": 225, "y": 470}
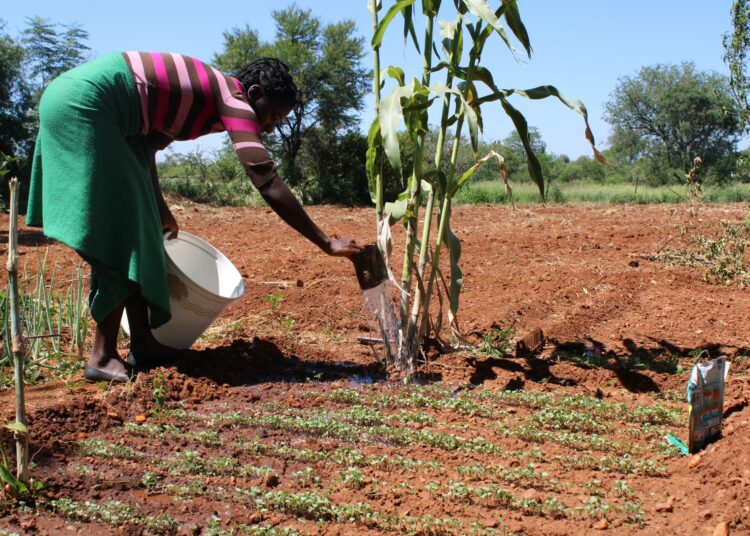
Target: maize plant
{"x": 456, "y": 34}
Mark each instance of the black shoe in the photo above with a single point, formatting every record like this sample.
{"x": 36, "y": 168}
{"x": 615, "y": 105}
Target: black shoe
{"x": 94, "y": 374}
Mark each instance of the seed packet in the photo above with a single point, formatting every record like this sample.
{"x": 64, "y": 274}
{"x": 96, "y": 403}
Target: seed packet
{"x": 705, "y": 394}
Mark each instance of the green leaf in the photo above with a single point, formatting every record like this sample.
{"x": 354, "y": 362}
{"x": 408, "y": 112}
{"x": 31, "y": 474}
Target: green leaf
{"x": 471, "y": 119}
{"x": 17, "y": 427}
{"x": 436, "y": 180}
{"x": 449, "y": 32}
{"x": 542, "y": 92}
{"x": 430, "y": 8}
{"x": 414, "y": 109}
{"x": 482, "y": 74}
{"x": 457, "y": 276}
{"x": 395, "y": 9}
{"x": 469, "y": 113}
{"x": 391, "y": 115}
{"x": 478, "y": 74}
{"x": 397, "y": 73}
{"x": 374, "y": 143}
{"x": 522, "y": 127}
{"x": 480, "y": 121}
{"x": 469, "y": 172}
{"x": 513, "y": 18}
{"x": 16, "y": 485}
{"x": 397, "y": 209}
{"x": 482, "y": 10}
{"x": 409, "y": 27}
{"x": 466, "y": 175}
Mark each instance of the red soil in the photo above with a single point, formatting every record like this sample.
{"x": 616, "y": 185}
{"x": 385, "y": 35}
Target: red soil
{"x": 582, "y": 274}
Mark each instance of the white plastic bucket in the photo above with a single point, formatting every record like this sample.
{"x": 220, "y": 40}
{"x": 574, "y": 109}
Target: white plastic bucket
{"x": 202, "y": 282}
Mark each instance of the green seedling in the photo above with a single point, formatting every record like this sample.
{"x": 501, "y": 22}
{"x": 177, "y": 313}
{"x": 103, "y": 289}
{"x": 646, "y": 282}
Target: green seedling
{"x": 307, "y": 478}
{"x": 103, "y": 449}
{"x": 353, "y": 478}
{"x": 150, "y": 480}
{"x": 159, "y": 390}
{"x": 275, "y": 302}
{"x": 113, "y": 512}
{"x": 496, "y": 343}
{"x": 287, "y": 324}
{"x": 622, "y": 489}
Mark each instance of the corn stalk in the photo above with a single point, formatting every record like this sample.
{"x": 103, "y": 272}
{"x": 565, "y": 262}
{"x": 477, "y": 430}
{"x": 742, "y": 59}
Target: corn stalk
{"x": 374, "y": 157}
{"x": 474, "y": 23}
{"x": 19, "y": 428}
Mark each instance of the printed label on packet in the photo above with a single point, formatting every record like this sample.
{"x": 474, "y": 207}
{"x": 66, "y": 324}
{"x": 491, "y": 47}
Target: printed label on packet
{"x": 705, "y": 394}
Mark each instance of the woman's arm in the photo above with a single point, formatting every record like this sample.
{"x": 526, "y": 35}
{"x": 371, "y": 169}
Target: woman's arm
{"x": 156, "y": 142}
{"x": 282, "y": 201}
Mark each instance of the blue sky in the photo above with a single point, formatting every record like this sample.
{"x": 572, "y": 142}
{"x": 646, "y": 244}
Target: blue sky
{"x": 580, "y": 46}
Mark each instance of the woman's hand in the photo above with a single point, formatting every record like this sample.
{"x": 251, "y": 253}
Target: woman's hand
{"x": 345, "y": 247}
{"x": 168, "y": 223}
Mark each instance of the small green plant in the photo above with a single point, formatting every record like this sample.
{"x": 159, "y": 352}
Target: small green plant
{"x": 150, "y": 480}
{"x": 596, "y": 507}
{"x": 15, "y": 486}
{"x": 105, "y": 449}
{"x": 307, "y": 478}
{"x": 275, "y": 302}
{"x": 159, "y": 390}
{"x": 353, "y": 478}
{"x": 287, "y": 324}
{"x": 594, "y": 487}
{"x": 210, "y": 438}
{"x": 345, "y": 396}
{"x": 622, "y": 489}
{"x": 496, "y": 342}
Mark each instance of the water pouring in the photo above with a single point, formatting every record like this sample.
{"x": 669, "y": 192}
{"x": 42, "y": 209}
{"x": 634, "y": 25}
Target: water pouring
{"x": 372, "y": 275}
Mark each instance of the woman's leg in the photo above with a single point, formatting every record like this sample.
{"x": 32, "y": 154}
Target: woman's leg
{"x": 105, "y": 364}
{"x": 108, "y": 295}
{"x": 145, "y": 350}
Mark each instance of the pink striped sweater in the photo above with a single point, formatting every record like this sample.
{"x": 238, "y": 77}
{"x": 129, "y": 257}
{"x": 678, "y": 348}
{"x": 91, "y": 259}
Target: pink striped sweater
{"x": 185, "y": 98}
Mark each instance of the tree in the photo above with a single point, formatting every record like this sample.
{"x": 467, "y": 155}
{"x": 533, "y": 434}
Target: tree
{"x": 671, "y": 114}
{"x": 49, "y": 50}
{"x": 325, "y": 61}
{"x": 52, "y": 49}
{"x": 337, "y": 166}
{"x": 27, "y": 65}
{"x": 14, "y": 97}
{"x": 240, "y": 46}
{"x": 736, "y": 49}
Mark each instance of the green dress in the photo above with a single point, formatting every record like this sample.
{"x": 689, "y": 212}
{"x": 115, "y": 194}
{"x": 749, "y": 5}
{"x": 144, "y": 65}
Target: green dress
{"x": 91, "y": 185}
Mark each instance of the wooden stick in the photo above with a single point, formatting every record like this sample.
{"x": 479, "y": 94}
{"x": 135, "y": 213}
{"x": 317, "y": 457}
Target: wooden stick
{"x": 21, "y": 435}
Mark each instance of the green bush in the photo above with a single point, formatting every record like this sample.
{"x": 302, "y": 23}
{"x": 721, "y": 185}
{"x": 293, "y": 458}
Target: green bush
{"x": 234, "y": 193}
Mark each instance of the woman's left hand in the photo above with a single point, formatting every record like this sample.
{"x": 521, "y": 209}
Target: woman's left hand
{"x": 169, "y": 223}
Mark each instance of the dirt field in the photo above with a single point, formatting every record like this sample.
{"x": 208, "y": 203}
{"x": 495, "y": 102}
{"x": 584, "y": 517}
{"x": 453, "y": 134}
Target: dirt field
{"x": 279, "y": 422}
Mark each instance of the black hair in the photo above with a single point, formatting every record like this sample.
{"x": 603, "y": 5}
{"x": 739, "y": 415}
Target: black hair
{"x": 273, "y": 77}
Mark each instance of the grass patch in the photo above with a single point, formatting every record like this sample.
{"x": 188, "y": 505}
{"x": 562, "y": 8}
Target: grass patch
{"x": 55, "y": 322}
{"x": 579, "y": 192}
